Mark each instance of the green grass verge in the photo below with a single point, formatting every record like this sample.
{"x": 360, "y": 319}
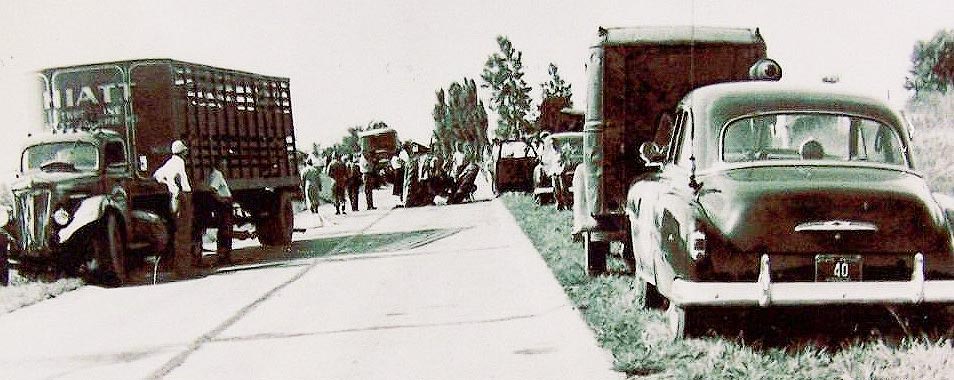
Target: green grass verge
{"x": 640, "y": 342}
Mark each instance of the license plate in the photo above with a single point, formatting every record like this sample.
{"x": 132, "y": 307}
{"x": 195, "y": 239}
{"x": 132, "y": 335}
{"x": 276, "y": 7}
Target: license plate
{"x": 830, "y": 268}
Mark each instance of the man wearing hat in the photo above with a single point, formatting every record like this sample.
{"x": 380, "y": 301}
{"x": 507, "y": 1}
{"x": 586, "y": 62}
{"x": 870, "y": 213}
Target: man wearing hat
{"x": 173, "y": 174}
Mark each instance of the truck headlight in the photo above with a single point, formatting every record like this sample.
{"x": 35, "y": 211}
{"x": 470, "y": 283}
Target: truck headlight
{"x": 4, "y": 216}
{"x": 61, "y": 217}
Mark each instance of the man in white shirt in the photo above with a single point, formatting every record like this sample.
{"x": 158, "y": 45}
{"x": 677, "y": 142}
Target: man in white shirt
{"x": 223, "y": 211}
{"x": 367, "y": 176}
{"x": 173, "y": 174}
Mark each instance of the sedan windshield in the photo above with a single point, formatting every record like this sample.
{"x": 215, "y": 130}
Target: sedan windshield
{"x": 811, "y": 137}
{"x": 61, "y": 156}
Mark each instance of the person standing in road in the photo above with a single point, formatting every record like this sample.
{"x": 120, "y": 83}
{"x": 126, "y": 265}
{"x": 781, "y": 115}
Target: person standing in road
{"x": 223, "y": 211}
{"x": 354, "y": 182}
{"x": 173, "y": 174}
{"x": 312, "y": 178}
{"x": 397, "y": 168}
{"x": 338, "y": 172}
{"x": 367, "y": 176}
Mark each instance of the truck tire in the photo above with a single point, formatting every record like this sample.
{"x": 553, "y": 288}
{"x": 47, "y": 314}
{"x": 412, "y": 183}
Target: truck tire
{"x": 649, "y": 297}
{"x": 4, "y": 267}
{"x": 108, "y": 257}
{"x": 595, "y": 253}
{"x": 684, "y": 321}
{"x": 276, "y": 229}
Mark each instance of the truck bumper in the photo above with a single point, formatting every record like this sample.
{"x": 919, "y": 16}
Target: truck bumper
{"x": 766, "y": 293}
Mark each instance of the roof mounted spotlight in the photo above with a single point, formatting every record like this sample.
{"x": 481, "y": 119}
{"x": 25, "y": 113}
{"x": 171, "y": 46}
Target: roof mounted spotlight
{"x": 765, "y": 69}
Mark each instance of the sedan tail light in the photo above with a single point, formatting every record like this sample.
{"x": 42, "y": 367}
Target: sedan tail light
{"x": 697, "y": 245}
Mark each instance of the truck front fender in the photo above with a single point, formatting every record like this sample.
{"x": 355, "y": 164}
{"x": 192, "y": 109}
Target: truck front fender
{"x": 89, "y": 211}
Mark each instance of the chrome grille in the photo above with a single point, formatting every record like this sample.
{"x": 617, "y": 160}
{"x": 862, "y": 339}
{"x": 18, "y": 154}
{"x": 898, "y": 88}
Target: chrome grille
{"x": 33, "y": 210}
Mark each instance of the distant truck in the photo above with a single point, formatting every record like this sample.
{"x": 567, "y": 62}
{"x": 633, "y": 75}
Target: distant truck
{"x": 635, "y": 77}
{"x": 379, "y": 144}
{"x": 85, "y": 202}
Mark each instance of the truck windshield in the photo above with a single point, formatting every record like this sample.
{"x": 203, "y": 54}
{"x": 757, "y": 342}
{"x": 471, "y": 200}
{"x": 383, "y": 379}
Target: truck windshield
{"x": 61, "y": 156}
{"x": 811, "y": 137}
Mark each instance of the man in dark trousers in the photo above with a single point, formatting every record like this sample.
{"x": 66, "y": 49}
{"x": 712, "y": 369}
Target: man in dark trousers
{"x": 223, "y": 211}
{"x": 367, "y": 176}
{"x": 338, "y": 172}
{"x": 173, "y": 174}
{"x": 354, "y": 182}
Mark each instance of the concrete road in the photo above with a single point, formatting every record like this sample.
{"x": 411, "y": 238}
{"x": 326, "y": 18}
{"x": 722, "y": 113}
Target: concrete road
{"x": 441, "y": 292}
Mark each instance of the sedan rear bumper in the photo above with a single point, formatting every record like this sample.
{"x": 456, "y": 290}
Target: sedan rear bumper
{"x": 766, "y": 293}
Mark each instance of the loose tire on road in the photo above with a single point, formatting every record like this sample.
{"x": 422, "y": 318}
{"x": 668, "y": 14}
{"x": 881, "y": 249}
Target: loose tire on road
{"x": 108, "y": 257}
{"x": 277, "y": 227}
{"x": 595, "y": 253}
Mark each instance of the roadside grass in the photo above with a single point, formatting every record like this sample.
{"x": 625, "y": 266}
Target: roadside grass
{"x": 22, "y": 293}
{"x": 642, "y": 348}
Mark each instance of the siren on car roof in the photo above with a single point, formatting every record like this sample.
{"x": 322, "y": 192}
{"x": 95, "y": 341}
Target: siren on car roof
{"x": 765, "y": 69}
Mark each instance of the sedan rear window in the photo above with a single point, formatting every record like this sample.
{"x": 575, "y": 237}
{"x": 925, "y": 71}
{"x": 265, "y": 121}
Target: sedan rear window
{"x": 811, "y": 137}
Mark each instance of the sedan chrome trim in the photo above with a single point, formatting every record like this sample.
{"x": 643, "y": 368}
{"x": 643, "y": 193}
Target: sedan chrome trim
{"x": 836, "y": 225}
{"x": 766, "y": 293}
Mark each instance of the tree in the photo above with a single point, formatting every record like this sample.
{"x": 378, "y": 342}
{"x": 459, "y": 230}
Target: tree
{"x": 556, "y": 87}
{"x": 459, "y": 118}
{"x": 503, "y": 75}
{"x": 932, "y": 64}
{"x": 556, "y": 96}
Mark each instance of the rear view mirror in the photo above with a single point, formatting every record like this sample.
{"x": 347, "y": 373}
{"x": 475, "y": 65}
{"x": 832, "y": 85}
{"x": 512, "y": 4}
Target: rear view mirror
{"x": 651, "y": 153}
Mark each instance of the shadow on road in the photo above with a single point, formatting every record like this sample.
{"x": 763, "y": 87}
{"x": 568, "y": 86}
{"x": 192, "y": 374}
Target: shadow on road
{"x": 258, "y": 257}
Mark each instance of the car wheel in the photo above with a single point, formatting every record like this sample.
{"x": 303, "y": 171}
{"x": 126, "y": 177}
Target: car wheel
{"x": 595, "y": 253}
{"x": 106, "y": 263}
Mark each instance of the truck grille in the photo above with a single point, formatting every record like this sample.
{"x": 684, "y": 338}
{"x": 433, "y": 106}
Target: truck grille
{"x": 33, "y": 210}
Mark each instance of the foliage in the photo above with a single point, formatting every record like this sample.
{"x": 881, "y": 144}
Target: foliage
{"x": 932, "y": 116}
{"x": 932, "y": 64}
{"x": 556, "y": 87}
{"x": 460, "y": 118}
{"x": 503, "y": 75}
{"x": 642, "y": 348}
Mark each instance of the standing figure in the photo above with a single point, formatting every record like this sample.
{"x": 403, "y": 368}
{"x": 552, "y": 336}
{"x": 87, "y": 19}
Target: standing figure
{"x": 339, "y": 175}
{"x": 222, "y": 211}
{"x": 173, "y": 174}
{"x": 367, "y": 176}
{"x": 397, "y": 167}
{"x": 312, "y": 179}
{"x": 354, "y": 182}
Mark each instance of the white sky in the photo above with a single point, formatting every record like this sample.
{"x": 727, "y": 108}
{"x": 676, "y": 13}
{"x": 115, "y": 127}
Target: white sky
{"x": 353, "y": 61}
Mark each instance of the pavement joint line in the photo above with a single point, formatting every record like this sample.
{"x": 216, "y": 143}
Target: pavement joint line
{"x": 394, "y": 327}
{"x": 179, "y": 359}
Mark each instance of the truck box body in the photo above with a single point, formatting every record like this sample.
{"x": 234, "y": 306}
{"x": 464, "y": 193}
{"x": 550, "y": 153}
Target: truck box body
{"x": 218, "y": 113}
{"x": 637, "y": 74}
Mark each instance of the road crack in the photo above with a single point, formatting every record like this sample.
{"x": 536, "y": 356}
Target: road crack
{"x": 210, "y": 336}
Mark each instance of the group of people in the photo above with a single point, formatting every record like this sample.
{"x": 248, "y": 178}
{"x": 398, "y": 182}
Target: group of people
{"x": 423, "y": 176}
{"x": 186, "y": 255}
{"x": 348, "y": 174}
{"x": 418, "y": 178}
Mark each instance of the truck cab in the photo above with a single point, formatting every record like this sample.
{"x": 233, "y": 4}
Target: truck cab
{"x": 75, "y": 187}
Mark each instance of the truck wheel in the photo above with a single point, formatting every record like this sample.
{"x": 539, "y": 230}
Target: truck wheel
{"x": 276, "y": 229}
{"x": 4, "y": 267}
{"x": 684, "y": 321}
{"x": 595, "y": 253}
{"x": 649, "y": 297}
{"x": 107, "y": 260}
